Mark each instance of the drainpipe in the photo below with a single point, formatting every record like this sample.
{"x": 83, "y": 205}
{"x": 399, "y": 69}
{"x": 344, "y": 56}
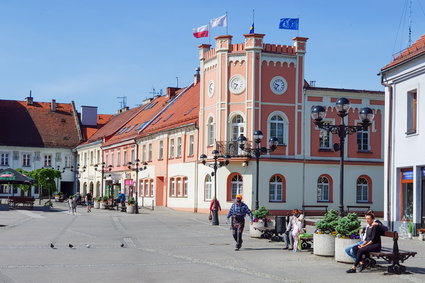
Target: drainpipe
{"x": 389, "y": 155}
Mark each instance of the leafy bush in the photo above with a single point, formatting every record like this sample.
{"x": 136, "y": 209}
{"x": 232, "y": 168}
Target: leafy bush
{"x": 261, "y": 213}
{"x": 98, "y": 199}
{"x": 348, "y": 226}
{"x": 131, "y": 201}
{"x": 104, "y": 198}
{"x": 328, "y": 223}
{"x": 410, "y": 228}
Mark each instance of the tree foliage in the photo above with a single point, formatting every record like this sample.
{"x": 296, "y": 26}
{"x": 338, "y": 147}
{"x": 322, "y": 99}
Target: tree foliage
{"x": 329, "y": 222}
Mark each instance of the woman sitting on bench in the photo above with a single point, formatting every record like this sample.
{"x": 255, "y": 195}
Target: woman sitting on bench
{"x": 372, "y": 243}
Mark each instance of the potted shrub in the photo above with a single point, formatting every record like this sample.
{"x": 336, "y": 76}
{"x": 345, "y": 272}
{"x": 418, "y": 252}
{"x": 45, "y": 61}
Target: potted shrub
{"x": 260, "y": 221}
{"x": 104, "y": 201}
{"x": 410, "y": 230}
{"x": 347, "y": 230}
{"x": 324, "y": 236}
{"x": 97, "y": 201}
{"x": 131, "y": 204}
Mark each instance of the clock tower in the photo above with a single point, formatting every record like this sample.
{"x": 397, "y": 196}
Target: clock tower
{"x": 251, "y": 86}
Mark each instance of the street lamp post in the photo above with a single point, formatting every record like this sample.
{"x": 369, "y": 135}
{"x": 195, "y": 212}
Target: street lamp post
{"x": 102, "y": 170}
{"x": 257, "y": 152}
{"x": 137, "y": 169}
{"x": 217, "y": 164}
{"x": 342, "y": 105}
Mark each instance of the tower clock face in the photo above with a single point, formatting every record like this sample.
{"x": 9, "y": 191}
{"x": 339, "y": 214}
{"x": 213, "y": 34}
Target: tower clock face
{"x": 278, "y": 85}
{"x": 237, "y": 84}
{"x": 211, "y": 89}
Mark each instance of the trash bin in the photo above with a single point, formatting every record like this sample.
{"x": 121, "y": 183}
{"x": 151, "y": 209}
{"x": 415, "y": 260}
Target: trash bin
{"x": 280, "y": 224}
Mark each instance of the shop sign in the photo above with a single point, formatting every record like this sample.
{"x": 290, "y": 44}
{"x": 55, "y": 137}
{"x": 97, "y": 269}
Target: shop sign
{"x": 128, "y": 182}
{"x": 407, "y": 175}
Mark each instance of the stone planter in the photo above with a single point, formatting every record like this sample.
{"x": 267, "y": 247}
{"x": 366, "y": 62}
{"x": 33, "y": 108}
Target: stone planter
{"x": 254, "y": 233}
{"x": 102, "y": 205}
{"x": 96, "y": 205}
{"x": 340, "y": 245}
{"x": 323, "y": 244}
{"x": 130, "y": 209}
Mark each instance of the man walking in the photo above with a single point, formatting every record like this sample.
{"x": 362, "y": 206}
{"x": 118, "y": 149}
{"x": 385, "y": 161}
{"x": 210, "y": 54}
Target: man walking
{"x": 238, "y": 211}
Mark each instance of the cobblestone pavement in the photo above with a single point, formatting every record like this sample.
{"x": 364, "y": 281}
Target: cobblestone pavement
{"x": 161, "y": 246}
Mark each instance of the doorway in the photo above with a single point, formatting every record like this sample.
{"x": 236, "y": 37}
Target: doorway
{"x": 160, "y": 192}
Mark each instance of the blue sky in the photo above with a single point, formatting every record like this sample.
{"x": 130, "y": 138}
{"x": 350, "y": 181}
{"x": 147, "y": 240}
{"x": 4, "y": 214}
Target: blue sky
{"x": 93, "y": 51}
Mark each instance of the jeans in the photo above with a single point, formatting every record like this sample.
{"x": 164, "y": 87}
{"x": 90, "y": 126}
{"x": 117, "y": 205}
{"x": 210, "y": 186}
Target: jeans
{"x": 365, "y": 251}
{"x": 288, "y": 239}
{"x": 350, "y": 251}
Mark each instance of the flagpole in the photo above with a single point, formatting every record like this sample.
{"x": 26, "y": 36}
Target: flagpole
{"x": 253, "y": 17}
{"x": 227, "y": 26}
{"x": 298, "y": 31}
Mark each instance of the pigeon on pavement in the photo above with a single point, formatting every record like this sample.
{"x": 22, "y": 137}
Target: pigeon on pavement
{"x": 71, "y": 246}
{"x": 122, "y": 245}
{"x": 88, "y": 246}
{"x": 52, "y": 246}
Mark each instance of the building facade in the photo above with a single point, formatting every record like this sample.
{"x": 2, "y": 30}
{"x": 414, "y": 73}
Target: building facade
{"x": 241, "y": 88}
{"x": 404, "y": 80}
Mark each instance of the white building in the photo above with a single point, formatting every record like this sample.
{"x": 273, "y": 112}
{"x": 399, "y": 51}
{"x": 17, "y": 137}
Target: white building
{"x": 404, "y": 79}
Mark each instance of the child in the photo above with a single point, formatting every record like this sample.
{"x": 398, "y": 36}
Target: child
{"x": 296, "y": 230}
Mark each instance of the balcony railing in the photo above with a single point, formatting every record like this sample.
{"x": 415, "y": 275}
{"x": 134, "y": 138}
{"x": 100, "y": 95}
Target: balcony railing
{"x": 232, "y": 148}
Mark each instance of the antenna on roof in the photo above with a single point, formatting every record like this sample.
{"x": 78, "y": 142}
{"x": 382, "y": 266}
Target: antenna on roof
{"x": 410, "y": 23}
{"x": 177, "y": 78}
{"x": 30, "y": 93}
{"x": 123, "y": 102}
{"x": 154, "y": 92}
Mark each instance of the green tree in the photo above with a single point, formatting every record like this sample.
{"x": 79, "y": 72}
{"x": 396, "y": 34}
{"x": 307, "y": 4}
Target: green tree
{"x": 45, "y": 179}
{"x": 23, "y": 187}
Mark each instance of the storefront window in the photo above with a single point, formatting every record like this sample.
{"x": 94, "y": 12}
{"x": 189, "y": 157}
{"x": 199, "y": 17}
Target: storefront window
{"x": 407, "y": 195}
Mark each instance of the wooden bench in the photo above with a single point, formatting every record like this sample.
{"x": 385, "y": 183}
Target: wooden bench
{"x": 314, "y": 206}
{"x": 393, "y": 255}
{"x": 25, "y": 201}
{"x": 365, "y": 209}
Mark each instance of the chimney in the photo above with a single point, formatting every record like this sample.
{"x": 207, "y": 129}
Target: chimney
{"x": 197, "y": 76}
{"x": 29, "y": 99}
{"x": 53, "y": 105}
{"x": 171, "y": 92}
{"x": 125, "y": 108}
{"x": 89, "y": 116}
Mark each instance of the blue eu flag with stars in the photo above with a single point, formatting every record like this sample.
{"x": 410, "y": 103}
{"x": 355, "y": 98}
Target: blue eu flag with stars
{"x": 289, "y": 23}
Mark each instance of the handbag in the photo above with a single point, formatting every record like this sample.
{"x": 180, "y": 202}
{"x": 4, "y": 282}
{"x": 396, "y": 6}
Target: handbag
{"x": 210, "y": 217}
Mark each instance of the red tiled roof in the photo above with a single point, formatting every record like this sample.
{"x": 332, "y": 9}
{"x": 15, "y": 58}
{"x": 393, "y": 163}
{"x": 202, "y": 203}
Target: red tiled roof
{"x": 113, "y": 125}
{"x": 416, "y": 49}
{"x": 183, "y": 111}
{"x": 102, "y": 119}
{"x": 133, "y": 126}
{"x": 36, "y": 125}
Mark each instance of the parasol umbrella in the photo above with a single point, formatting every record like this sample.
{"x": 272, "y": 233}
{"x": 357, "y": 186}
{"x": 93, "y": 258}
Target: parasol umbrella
{"x": 10, "y": 176}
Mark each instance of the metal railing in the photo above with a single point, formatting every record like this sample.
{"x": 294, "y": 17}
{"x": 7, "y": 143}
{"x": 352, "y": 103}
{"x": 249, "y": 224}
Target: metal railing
{"x": 232, "y": 148}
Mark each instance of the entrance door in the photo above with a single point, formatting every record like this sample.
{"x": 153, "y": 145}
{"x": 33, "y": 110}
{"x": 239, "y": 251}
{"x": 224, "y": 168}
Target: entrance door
{"x": 237, "y": 128}
{"x": 160, "y": 191}
{"x": 423, "y": 205}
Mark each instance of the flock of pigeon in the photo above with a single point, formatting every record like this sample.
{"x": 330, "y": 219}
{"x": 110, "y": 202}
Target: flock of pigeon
{"x": 71, "y": 246}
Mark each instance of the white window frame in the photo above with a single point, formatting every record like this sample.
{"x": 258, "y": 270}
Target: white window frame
{"x": 274, "y": 187}
{"x": 322, "y": 187}
{"x": 208, "y": 187}
{"x": 364, "y": 190}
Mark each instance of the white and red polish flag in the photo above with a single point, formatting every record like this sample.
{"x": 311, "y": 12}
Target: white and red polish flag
{"x": 200, "y": 32}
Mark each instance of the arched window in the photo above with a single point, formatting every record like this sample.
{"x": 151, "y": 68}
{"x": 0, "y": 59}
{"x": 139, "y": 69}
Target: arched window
{"x": 172, "y": 187}
{"x": 276, "y": 188}
{"x": 362, "y": 189}
{"x": 210, "y": 131}
{"x": 277, "y": 126}
{"x": 185, "y": 186}
{"x": 237, "y": 127}
{"x": 152, "y": 189}
{"x": 146, "y": 183}
{"x": 324, "y": 192}
{"x": 208, "y": 187}
{"x": 235, "y": 186}
{"x": 141, "y": 188}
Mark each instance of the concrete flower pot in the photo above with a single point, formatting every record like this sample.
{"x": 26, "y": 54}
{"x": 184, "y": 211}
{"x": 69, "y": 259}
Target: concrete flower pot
{"x": 254, "y": 233}
{"x": 130, "y": 209}
{"x": 323, "y": 244}
{"x": 96, "y": 205}
{"x": 102, "y": 205}
{"x": 340, "y": 245}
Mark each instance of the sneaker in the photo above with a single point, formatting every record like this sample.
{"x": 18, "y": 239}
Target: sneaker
{"x": 351, "y": 270}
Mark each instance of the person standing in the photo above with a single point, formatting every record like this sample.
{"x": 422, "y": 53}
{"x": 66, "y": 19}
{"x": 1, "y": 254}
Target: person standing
{"x": 238, "y": 211}
{"x": 215, "y": 205}
{"x": 297, "y": 229}
{"x": 287, "y": 236}
{"x": 72, "y": 202}
{"x": 89, "y": 201}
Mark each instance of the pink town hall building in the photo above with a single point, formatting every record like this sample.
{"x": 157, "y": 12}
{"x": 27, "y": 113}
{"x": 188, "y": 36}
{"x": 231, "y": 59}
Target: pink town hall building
{"x": 239, "y": 89}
